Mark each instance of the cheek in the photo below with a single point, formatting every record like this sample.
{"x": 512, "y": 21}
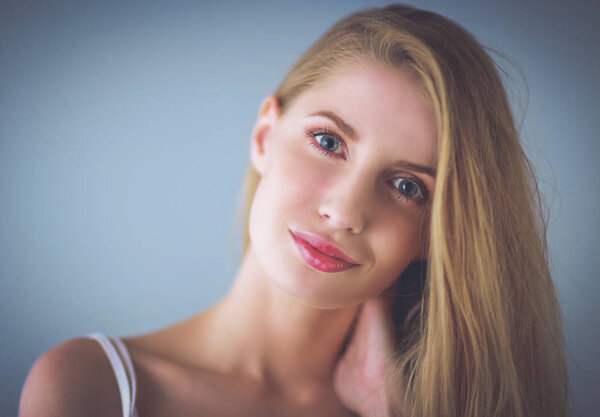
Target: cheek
{"x": 295, "y": 182}
{"x": 289, "y": 191}
{"x": 397, "y": 241}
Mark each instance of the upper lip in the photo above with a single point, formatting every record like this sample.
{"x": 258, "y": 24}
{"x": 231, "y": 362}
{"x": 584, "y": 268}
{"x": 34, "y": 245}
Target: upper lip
{"x": 324, "y": 245}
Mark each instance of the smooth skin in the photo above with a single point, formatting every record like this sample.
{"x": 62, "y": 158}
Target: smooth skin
{"x": 273, "y": 345}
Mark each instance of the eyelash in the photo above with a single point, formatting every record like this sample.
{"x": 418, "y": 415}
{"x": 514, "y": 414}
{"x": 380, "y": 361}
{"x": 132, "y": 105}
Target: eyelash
{"x": 423, "y": 199}
{"x": 325, "y": 131}
{"x": 312, "y": 134}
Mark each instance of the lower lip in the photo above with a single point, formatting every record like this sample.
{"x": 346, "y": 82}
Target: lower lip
{"x": 319, "y": 260}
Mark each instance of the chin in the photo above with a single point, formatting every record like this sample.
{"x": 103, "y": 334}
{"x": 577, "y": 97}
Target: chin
{"x": 319, "y": 292}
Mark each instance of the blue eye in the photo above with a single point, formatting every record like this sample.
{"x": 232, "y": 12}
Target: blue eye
{"x": 328, "y": 142}
{"x": 409, "y": 189}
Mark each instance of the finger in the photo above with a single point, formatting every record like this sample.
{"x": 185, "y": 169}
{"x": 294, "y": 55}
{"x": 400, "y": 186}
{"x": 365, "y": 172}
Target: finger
{"x": 374, "y": 329}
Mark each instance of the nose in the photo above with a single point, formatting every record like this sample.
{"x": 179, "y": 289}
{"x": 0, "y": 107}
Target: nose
{"x": 347, "y": 203}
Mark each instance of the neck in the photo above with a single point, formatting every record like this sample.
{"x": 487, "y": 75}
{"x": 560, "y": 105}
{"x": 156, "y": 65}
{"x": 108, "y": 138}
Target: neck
{"x": 265, "y": 333}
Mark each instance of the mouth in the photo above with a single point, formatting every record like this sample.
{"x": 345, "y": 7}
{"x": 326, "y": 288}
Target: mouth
{"x": 320, "y": 254}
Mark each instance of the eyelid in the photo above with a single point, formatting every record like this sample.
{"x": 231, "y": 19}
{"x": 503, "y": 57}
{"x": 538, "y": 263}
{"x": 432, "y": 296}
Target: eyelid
{"x": 313, "y": 133}
{"x": 424, "y": 191}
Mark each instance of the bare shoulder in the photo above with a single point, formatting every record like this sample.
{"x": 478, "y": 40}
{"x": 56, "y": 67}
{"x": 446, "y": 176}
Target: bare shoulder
{"x": 72, "y": 379}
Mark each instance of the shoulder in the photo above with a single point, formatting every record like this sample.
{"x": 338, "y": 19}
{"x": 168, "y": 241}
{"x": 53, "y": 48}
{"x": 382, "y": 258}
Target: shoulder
{"x": 72, "y": 379}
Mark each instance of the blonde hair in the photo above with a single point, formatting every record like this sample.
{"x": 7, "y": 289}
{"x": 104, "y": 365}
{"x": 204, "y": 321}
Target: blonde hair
{"x": 484, "y": 338}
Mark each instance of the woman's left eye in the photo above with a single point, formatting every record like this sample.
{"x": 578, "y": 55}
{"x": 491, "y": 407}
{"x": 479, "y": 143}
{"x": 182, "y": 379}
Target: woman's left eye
{"x": 410, "y": 189}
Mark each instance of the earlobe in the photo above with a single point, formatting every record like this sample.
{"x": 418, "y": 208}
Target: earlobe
{"x": 265, "y": 123}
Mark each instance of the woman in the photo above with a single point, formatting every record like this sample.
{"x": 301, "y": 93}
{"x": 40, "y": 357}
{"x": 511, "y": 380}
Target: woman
{"x": 395, "y": 259}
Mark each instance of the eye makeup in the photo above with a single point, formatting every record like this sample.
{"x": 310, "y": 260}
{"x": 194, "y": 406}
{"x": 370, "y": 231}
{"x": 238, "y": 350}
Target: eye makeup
{"x": 321, "y": 138}
{"x": 315, "y": 140}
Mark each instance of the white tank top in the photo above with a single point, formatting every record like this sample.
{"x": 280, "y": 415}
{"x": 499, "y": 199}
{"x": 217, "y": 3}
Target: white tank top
{"x": 121, "y": 363}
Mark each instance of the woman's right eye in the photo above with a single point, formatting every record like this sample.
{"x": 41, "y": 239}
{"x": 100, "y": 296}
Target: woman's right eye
{"x": 327, "y": 143}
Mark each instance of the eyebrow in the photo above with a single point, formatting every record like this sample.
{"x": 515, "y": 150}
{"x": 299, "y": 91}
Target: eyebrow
{"x": 416, "y": 167}
{"x": 340, "y": 123}
{"x": 350, "y": 132}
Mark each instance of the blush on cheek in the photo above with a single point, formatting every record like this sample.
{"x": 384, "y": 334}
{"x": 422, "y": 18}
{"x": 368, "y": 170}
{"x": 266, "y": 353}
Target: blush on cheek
{"x": 300, "y": 186}
{"x": 398, "y": 241}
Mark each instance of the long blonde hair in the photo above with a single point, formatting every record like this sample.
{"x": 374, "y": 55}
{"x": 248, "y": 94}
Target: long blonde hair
{"x": 484, "y": 337}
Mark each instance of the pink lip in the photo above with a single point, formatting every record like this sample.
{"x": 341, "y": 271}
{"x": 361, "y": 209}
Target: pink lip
{"x": 321, "y": 254}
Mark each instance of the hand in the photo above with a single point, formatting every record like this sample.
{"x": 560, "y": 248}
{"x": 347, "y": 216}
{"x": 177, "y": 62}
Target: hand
{"x": 360, "y": 374}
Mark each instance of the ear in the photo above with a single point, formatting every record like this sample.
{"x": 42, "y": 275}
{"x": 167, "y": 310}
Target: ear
{"x": 268, "y": 116}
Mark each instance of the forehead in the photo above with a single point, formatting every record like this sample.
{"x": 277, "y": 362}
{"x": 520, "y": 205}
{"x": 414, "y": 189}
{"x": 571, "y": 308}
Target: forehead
{"x": 379, "y": 103}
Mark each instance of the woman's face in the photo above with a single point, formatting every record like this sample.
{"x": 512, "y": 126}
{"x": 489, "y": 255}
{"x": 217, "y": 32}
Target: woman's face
{"x": 348, "y": 167}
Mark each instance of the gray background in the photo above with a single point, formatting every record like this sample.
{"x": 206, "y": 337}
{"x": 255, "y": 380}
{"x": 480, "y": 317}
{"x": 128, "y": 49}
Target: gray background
{"x": 124, "y": 130}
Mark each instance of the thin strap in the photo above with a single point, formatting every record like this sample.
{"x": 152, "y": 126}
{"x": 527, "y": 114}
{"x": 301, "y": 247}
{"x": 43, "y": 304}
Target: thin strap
{"x": 130, "y": 370}
{"x": 118, "y": 368}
